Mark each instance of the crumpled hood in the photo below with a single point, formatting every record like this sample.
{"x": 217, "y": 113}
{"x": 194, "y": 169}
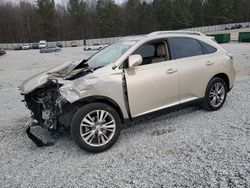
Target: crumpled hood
{"x": 40, "y": 79}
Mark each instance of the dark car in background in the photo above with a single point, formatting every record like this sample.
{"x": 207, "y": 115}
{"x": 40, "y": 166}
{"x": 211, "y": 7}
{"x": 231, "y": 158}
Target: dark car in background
{"x": 18, "y": 47}
{"x": 236, "y": 26}
{"x": 2, "y": 51}
{"x": 50, "y": 49}
{"x": 35, "y": 46}
{"x": 59, "y": 44}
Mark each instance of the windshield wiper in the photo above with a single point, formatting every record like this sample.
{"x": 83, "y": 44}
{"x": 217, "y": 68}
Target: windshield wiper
{"x": 82, "y": 72}
{"x": 88, "y": 69}
{"x": 97, "y": 67}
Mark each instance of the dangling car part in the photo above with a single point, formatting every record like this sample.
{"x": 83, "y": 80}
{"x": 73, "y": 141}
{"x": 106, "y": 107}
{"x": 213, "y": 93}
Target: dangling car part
{"x": 37, "y": 141}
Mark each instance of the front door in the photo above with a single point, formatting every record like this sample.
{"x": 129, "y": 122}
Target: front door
{"x": 154, "y": 84}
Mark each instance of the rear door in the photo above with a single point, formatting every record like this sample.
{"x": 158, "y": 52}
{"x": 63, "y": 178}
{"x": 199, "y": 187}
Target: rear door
{"x": 152, "y": 86}
{"x": 195, "y": 67}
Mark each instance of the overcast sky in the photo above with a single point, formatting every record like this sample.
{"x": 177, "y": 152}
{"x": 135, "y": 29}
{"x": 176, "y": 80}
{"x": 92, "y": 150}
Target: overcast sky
{"x": 57, "y": 1}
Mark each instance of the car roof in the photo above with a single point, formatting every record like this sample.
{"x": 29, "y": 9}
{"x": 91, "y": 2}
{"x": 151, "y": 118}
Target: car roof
{"x": 140, "y": 40}
{"x": 166, "y": 34}
{"x": 163, "y": 34}
{"x": 156, "y": 33}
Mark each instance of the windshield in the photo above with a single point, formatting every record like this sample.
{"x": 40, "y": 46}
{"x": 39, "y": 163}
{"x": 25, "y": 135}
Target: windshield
{"x": 109, "y": 54}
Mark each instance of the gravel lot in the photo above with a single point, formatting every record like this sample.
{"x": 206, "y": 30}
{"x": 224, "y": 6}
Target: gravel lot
{"x": 186, "y": 148}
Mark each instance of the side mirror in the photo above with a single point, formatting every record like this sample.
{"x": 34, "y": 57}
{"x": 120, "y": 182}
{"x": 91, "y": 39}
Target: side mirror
{"x": 134, "y": 60}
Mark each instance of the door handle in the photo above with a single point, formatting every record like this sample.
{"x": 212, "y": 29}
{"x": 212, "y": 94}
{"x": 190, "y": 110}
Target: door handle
{"x": 209, "y": 63}
{"x": 171, "y": 71}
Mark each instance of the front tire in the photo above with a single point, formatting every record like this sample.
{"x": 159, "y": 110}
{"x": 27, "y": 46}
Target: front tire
{"x": 216, "y": 94}
{"x": 96, "y": 127}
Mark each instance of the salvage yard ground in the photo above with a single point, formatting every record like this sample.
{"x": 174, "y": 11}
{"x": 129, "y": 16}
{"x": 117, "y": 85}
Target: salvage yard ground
{"x": 189, "y": 147}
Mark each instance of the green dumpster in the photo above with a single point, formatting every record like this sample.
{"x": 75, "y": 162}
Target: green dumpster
{"x": 222, "y": 38}
{"x": 244, "y": 37}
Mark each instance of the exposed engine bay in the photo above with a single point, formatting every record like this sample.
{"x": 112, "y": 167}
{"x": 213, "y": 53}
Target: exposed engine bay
{"x": 45, "y": 105}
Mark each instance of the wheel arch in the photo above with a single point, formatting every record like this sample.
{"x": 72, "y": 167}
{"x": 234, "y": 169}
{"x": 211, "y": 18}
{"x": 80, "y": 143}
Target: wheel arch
{"x": 224, "y": 77}
{"x": 91, "y": 99}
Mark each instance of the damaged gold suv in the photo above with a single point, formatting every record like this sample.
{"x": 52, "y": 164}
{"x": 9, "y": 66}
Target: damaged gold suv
{"x": 129, "y": 79}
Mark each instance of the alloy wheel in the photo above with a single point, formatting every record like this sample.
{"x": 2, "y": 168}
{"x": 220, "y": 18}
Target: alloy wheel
{"x": 97, "y": 128}
{"x": 217, "y": 94}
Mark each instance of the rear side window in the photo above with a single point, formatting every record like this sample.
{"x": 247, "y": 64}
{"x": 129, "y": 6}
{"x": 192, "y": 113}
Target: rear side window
{"x": 185, "y": 47}
{"x": 207, "y": 49}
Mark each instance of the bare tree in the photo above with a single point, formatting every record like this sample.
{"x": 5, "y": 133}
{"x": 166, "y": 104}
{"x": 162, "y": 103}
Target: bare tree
{"x": 82, "y": 19}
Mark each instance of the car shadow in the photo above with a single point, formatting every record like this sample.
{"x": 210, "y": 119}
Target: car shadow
{"x": 62, "y": 138}
{"x": 158, "y": 116}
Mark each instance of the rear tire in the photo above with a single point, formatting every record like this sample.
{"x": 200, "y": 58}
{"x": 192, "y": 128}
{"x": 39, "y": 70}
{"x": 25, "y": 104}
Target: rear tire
{"x": 95, "y": 127}
{"x": 216, "y": 94}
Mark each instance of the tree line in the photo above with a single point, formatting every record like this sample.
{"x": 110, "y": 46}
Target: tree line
{"x": 83, "y": 19}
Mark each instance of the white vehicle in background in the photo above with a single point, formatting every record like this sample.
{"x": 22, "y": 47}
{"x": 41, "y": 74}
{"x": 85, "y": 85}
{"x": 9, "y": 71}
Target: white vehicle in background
{"x": 26, "y": 47}
{"x": 95, "y": 47}
{"x": 212, "y": 38}
{"x": 42, "y": 44}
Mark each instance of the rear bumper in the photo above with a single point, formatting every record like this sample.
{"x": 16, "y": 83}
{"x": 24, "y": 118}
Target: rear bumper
{"x": 231, "y": 75}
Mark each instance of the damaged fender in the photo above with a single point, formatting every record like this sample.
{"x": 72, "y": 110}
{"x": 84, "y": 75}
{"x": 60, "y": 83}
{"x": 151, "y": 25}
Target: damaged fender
{"x": 48, "y": 93}
{"x": 96, "y": 84}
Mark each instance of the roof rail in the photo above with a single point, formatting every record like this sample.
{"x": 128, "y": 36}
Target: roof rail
{"x": 175, "y": 32}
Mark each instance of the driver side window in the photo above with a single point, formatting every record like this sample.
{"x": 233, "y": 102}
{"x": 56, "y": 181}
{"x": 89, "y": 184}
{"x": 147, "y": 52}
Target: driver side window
{"x": 146, "y": 51}
{"x": 153, "y": 52}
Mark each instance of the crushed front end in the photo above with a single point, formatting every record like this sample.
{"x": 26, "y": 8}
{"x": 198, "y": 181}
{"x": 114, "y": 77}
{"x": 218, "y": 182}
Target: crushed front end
{"x": 45, "y": 104}
{"x": 54, "y": 96}
{"x": 42, "y": 96}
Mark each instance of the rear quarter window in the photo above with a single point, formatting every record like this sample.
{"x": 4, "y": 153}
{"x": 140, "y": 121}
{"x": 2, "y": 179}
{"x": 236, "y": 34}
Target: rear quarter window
{"x": 208, "y": 49}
